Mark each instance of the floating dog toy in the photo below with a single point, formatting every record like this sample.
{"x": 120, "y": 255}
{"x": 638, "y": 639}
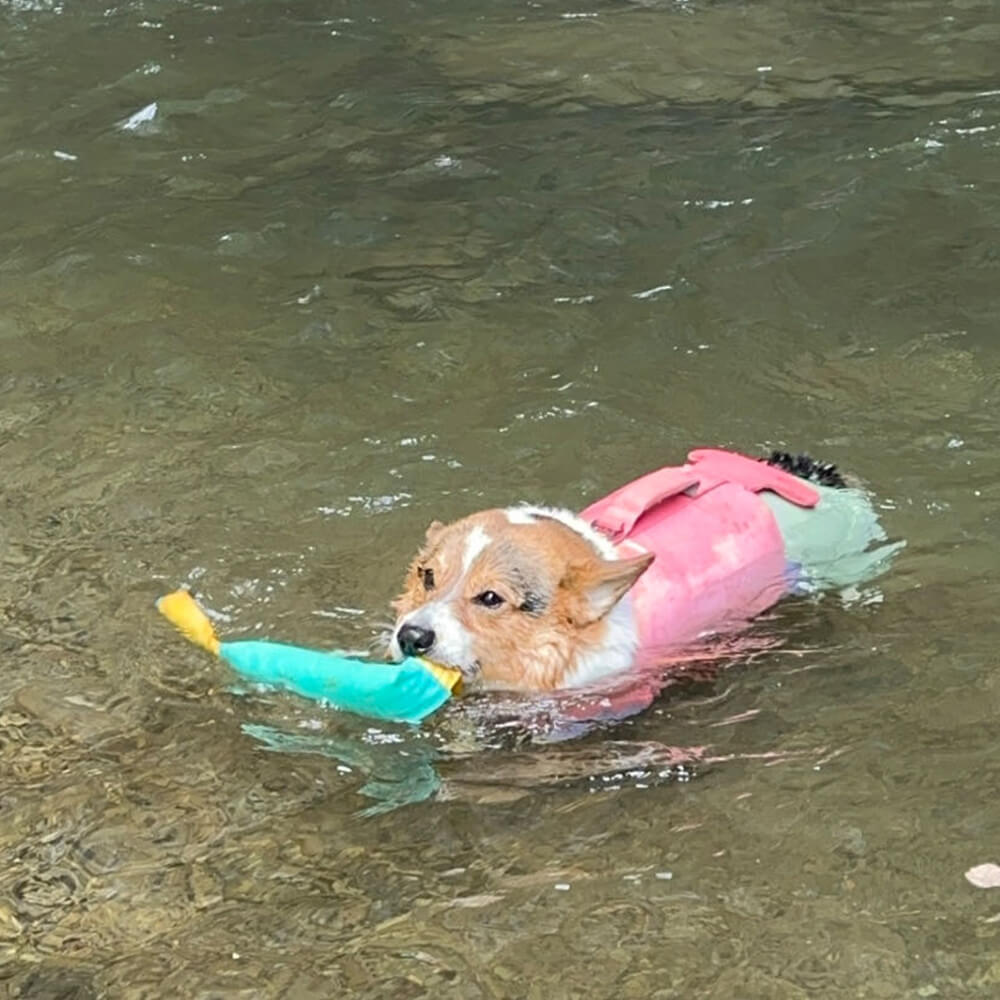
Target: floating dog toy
{"x": 402, "y": 692}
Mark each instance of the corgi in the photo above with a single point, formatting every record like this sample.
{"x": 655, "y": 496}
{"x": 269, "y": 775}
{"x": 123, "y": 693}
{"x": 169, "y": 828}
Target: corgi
{"x": 541, "y": 599}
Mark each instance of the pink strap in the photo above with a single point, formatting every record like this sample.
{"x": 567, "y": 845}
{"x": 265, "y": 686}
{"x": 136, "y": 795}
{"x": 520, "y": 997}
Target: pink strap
{"x": 729, "y": 467}
{"x": 617, "y": 514}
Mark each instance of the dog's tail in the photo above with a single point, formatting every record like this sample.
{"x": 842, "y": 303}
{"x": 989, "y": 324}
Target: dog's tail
{"x": 824, "y": 473}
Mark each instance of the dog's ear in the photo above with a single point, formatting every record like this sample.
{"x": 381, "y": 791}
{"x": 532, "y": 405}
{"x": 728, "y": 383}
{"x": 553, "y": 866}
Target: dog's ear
{"x": 434, "y": 530}
{"x": 598, "y": 586}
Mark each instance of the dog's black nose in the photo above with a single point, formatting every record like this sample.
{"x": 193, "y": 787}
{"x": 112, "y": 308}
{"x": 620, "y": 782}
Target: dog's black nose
{"x": 414, "y": 640}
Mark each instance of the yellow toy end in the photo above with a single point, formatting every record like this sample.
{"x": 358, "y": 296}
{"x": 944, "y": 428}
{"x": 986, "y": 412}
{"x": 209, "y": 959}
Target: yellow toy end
{"x": 182, "y": 611}
{"x": 445, "y": 676}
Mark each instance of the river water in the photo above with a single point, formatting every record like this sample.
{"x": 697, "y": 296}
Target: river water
{"x": 280, "y": 283}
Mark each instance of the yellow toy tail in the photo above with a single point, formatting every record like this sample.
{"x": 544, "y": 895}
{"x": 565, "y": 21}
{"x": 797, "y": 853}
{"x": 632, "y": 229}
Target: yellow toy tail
{"x": 182, "y": 611}
{"x": 447, "y": 677}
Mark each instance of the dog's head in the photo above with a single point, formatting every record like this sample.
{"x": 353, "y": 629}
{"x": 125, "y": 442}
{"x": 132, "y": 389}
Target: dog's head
{"x": 528, "y": 598}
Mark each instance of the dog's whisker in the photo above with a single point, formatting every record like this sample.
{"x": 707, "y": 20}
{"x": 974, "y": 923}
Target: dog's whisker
{"x": 381, "y": 640}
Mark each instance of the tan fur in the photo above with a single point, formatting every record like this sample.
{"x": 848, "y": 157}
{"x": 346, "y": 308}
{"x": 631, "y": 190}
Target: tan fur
{"x": 557, "y": 594}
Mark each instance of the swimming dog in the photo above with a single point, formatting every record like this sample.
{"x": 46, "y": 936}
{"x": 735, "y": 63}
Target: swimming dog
{"x": 537, "y": 598}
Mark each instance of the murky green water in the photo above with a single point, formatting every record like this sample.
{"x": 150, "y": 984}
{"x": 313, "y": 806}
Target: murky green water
{"x": 279, "y": 284}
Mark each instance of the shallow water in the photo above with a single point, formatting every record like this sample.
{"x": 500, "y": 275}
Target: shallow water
{"x": 280, "y": 284}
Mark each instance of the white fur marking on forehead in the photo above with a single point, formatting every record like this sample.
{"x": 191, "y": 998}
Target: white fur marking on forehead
{"x": 528, "y": 515}
{"x": 520, "y": 515}
{"x": 475, "y": 542}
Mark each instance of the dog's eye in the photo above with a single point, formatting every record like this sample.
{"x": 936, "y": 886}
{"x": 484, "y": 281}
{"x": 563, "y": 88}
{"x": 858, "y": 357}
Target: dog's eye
{"x": 427, "y": 575}
{"x": 489, "y": 599}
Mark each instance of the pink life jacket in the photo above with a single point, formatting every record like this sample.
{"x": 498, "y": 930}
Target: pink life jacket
{"x": 720, "y": 558}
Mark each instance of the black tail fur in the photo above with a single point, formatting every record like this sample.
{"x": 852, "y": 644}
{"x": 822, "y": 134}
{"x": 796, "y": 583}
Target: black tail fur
{"x": 807, "y": 468}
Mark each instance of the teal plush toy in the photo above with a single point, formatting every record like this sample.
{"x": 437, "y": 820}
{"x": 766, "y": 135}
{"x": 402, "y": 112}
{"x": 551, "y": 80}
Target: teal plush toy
{"x": 402, "y": 692}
